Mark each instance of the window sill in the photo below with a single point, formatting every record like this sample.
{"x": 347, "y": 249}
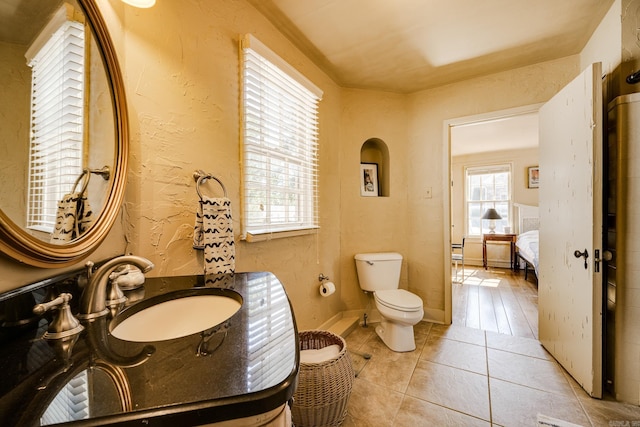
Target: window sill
{"x": 278, "y": 235}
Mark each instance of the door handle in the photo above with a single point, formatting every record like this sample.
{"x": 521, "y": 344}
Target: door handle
{"x": 584, "y": 254}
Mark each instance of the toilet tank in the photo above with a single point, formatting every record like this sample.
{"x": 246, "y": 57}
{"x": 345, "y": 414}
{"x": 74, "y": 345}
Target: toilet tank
{"x": 378, "y": 271}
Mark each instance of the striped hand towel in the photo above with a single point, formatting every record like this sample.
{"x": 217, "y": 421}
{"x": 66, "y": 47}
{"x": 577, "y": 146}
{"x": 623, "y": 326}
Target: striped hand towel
{"x": 73, "y": 217}
{"x": 213, "y": 232}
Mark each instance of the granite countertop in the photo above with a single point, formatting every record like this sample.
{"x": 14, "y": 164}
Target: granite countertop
{"x": 246, "y": 366}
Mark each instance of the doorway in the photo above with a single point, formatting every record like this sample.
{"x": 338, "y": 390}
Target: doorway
{"x": 485, "y": 139}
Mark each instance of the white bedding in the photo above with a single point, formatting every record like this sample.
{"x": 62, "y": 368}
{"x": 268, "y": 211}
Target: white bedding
{"x": 528, "y": 247}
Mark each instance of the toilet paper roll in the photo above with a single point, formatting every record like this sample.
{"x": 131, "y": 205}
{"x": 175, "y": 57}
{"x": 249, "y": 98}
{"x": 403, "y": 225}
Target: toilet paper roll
{"x": 327, "y": 289}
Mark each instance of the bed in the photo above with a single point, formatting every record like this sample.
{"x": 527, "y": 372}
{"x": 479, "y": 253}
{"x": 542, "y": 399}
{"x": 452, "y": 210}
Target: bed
{"x": 527, "y": 243}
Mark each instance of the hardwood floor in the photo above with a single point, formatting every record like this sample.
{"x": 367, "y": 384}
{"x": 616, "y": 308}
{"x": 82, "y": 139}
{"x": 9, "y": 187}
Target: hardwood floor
{"x": 497, "y": 300}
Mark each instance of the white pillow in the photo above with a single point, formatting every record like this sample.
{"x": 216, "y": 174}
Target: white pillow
{"x": 320, "y": 355}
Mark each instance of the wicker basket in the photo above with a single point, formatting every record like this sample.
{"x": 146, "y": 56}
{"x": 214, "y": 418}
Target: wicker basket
{"x": 323, "y": 388}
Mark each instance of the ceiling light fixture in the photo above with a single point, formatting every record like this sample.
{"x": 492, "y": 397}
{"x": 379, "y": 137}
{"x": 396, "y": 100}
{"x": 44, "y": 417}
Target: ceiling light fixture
{"x": 140, "y": 3}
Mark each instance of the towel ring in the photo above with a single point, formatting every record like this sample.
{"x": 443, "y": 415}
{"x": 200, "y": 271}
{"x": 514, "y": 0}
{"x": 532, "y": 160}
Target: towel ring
{"x": 201, "y": 177}
{"x": 105, "y": 173}
{"x": 87, "y": 176}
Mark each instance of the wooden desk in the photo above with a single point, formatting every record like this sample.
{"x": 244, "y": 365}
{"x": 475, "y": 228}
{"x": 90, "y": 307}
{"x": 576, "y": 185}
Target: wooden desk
{"x": 499, "y": 238}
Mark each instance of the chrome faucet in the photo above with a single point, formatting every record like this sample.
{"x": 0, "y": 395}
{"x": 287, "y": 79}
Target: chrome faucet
{"x": 94, "y": 296}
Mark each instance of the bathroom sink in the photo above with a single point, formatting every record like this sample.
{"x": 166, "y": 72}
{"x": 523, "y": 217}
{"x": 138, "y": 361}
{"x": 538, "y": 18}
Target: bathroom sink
{"x": 175, "y": 314}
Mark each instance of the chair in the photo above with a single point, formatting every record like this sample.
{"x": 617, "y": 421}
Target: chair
{"x": 457, "y": 255}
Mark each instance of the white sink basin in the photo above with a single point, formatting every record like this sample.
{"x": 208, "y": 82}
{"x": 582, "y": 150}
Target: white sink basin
{"x": 176, "y": 314}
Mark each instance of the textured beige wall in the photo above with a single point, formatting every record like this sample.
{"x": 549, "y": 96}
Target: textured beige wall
{"x": 605, "y": 46}
{"x": 14, "y": 132}
{"x": 372, "y": 224}
{"x": 181, "y": 72}
{"x": 426, "y": 163}
{"x": 623, "y": 17}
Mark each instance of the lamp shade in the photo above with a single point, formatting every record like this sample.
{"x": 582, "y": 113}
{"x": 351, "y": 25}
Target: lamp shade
{"x": 491, "y": 213}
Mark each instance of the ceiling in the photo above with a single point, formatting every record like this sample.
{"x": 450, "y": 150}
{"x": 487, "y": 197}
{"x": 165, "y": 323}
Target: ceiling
{"x": 406, "y": 46}
{"x": 409, "y": 45}
{"x": 513, "y": 133}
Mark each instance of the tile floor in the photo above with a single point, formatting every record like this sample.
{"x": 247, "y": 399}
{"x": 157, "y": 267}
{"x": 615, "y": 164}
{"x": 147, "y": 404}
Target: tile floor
{"x": 460, "y": 376}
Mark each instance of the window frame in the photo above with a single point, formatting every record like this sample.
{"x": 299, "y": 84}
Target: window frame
{"x": 279, "y": 126}
{"x": 485, "y": 203}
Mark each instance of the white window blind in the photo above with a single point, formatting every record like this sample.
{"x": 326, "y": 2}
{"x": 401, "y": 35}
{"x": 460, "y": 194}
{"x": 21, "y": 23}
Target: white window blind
{"x": 268, "y": 319}
{"x": 71, "y": 403}
{"x": 57, "y": 100}
{"x": 487, "y": 187}
{"x": 279, "y": 144}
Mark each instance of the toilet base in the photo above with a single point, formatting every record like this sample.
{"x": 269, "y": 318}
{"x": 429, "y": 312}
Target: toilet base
{"x": 397, "y": 337}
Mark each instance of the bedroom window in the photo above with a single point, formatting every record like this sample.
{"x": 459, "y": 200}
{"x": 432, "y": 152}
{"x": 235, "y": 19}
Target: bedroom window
{"x": 56, "y": 59}
{"x": 487, "y": 187}
{"x": 279, "y": 145}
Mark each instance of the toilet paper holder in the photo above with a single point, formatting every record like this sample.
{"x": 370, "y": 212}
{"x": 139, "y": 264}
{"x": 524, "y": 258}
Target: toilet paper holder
{"x": 327, "y": 287}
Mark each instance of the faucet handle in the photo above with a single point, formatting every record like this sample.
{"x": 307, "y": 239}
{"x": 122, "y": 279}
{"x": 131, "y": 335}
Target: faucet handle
{"x": 64, "y": 324}
{"x": 84, "y": 279}
{"x": 129, "y": 277}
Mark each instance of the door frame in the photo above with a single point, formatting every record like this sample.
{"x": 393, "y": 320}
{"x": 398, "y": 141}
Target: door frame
{"x": 446, "y": 191}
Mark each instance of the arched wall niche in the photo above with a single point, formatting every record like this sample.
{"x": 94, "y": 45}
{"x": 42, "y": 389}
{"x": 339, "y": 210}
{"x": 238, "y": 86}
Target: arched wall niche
{"x": 374, "y": 150}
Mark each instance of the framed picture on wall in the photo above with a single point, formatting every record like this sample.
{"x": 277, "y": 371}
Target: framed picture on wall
{"x": 534, "y": 177}
{"x": 369, "y": 179}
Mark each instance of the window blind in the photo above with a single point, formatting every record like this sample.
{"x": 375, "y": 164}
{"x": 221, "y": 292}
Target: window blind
{"x": 279, "y": 144}
{"x": 267, "y": 318}
{"x": 57, "y": 98}
{"x": 71, "y": 403}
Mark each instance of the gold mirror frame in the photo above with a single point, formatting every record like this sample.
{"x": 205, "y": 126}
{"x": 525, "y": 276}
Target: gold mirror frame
{"x": 21, "y": 246}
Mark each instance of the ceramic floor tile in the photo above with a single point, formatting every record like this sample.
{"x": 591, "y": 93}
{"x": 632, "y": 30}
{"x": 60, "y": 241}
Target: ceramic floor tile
{"x": 611, "y": 413}
{"x": 387, "y": 368}
{"x": 528, "y": 371}
{"x": 372, "y": 405}
{"x": 422, "y": 328}
{"x": 525, "y": 346}
{"x": 457, "y": 354}
{"x": 459, "y": 333}
{"x": 605, "y": 411}
{"x": 453, "y": 388}
{"x": 415, "y": 412}
{"x": 443, "y": 389}
{"x": 420, "y": 339}
{"x": 358, "y": 337}
{"x": 358, "y": 361}
{"x": 516, "y": 405}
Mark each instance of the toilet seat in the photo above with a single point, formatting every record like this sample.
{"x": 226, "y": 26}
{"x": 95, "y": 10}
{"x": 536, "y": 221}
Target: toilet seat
{"x": 398, "y": 299}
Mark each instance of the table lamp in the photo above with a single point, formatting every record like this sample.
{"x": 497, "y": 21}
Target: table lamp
{"x": 491, "y": 214}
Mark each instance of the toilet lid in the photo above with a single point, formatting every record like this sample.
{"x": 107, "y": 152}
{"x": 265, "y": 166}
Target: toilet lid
{"x": 399, "y": 299}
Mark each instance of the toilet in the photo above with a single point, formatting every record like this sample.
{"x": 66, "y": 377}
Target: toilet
{"x": 400, "y": 309}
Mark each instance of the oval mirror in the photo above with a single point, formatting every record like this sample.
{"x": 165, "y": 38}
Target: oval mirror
{"x": 63, "y": 131}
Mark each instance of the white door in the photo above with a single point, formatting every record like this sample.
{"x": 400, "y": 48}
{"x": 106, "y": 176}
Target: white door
{"x": 570, "y": 199}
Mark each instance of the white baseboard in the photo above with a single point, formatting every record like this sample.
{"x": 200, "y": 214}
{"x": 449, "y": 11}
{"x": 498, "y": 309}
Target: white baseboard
{"x": 342, "y": 323}
{"x": 433, "y": 315}
{"x": 345, "y": 322}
